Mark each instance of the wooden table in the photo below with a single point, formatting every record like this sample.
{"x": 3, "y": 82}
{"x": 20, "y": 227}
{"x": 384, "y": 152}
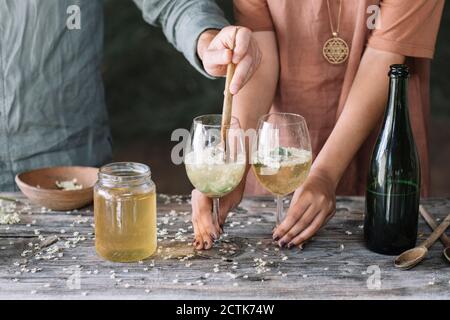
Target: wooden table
{"x": 245, "y": 264}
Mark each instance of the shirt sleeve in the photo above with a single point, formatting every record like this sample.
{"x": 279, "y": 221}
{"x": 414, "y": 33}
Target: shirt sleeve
{"x": 253, "y": 14}
{"x": 183, "y": 21}
{"x": 408, "y": 27}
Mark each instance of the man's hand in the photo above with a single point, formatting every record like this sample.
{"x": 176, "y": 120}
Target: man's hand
{"x": 313, "y": 204}
{"x": 206, "y": 230}
{"x": 213, "y": 48}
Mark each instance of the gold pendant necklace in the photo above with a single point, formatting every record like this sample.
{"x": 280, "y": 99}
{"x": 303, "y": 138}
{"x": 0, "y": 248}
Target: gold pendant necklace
{"x": 335, "y": 49}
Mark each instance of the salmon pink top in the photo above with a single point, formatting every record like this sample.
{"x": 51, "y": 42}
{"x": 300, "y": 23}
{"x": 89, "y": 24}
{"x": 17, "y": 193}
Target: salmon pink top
{"x": 312, "y": 87}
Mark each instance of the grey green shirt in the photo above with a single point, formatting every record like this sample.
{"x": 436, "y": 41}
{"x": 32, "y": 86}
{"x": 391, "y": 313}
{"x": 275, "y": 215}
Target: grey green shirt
{"x": 52, "y": 107}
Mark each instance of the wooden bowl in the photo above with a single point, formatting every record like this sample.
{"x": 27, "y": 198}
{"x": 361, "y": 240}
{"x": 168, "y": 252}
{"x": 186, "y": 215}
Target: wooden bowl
{"x": 40, "y": 187}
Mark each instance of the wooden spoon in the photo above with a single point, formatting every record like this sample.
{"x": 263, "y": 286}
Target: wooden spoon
{"x": 228, "y": 99}
{"x": 412, "y": 257}
{"x": 433, "y": 225}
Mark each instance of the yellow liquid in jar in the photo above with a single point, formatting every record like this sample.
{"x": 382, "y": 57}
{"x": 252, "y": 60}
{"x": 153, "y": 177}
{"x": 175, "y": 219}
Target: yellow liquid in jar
{"x": 125, "y": 225}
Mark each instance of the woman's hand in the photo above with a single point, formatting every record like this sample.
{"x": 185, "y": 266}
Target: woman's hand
{"x": 205, "y": 229}
{"x": 312, "y": 205}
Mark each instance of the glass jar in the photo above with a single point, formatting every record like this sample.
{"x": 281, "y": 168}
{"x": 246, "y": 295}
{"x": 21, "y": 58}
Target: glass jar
{"x": 125, "y": 212}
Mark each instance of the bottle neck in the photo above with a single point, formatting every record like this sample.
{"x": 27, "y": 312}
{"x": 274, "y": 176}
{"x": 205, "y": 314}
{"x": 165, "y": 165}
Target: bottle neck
{"x": 398, "y": 97}
{"x": 397, "y": 115}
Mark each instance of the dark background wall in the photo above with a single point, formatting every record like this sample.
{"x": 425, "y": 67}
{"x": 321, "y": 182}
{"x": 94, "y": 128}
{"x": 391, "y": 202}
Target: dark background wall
{"x": 151, "y": 90}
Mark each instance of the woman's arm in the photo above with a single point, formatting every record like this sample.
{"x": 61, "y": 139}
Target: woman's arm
{"x": 314, "y": 203}
{"x": 362, "y": 112}
{"x": 252, "y": 101}
{"x": 256, "y": 98}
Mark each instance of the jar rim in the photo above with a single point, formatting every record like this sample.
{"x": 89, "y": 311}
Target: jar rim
{"x": 124, "y": 172}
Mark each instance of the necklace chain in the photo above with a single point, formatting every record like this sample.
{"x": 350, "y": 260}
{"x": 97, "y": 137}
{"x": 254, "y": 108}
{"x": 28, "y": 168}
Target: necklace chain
{"x": 335, "y": 49}
{"x": 335, "y": 33}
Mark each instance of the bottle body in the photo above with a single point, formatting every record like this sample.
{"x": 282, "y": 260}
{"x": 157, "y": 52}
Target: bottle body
{"x": 125, "y": 213}
{"x": 393, "y": 185}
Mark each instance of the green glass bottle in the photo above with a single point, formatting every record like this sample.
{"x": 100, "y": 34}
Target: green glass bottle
{"x": 393, "y": 185}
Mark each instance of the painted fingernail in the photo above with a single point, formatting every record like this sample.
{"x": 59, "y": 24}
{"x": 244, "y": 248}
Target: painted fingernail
{"x": 282, "y": 243}
{"x": 214, "y": 236}
{"x": 290, "y": 245}
{"x": 276, "y": 238}
{"x": 205, "y": 244}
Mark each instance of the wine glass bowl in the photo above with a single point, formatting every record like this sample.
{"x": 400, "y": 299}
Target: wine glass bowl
{"x": 281, "y": 156}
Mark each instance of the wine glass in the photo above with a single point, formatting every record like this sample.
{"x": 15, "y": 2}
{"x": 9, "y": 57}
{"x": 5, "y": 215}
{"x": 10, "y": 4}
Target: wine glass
{"x": 282, "y": 157}
{"x": 215, "y": 162}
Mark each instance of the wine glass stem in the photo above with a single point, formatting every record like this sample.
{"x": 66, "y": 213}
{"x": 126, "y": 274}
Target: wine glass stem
{"x": 280, "y": 210}
{"x": 216, "y": 210}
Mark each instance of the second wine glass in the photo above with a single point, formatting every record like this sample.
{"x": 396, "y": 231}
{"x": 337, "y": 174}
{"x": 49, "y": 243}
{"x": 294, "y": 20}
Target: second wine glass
{"x": 282, "y": 155}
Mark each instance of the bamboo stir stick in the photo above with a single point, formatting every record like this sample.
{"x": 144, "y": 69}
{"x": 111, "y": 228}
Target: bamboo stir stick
{"x": 228, "y": 99}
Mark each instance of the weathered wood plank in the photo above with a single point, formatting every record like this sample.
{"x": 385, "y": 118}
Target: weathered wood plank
{"x": 334, "y": 265}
